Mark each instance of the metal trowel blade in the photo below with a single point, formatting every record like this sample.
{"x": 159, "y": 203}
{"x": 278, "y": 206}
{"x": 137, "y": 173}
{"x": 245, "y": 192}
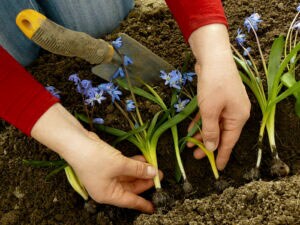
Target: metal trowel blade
{"x": 146, "y": 65}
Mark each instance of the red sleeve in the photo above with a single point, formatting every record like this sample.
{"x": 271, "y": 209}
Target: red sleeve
{"x": 192, "y": 14}
{"x": 22, "y": 99}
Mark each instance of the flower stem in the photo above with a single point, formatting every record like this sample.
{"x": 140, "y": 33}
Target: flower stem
{"x": 259, "y": 49}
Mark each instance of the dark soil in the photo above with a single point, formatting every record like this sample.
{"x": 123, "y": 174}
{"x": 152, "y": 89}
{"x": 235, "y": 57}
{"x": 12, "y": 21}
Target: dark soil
{"x": 27, "y": 198}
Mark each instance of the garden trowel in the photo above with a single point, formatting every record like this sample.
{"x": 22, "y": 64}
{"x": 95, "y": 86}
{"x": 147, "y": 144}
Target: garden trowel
{"x": 62, "y": 41}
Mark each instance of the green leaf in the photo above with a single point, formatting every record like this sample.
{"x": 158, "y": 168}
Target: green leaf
{"x": 109, "y": 130}
{"x": 137, "y": 91}
{"x": 281, "y": 69}
{"x": 56, "y": 171}
{"x": 152, "y": 125}
{"x": 293, "y": 89}
{"x": 288, "y": 79}
{"x": 274, "y": 61}
{"x": 129, "y": 134}
{"x": 209, "y": 154}
{"x": 190, "y": 108}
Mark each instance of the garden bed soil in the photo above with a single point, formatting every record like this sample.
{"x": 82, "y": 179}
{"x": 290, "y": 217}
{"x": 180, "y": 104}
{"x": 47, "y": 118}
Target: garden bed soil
{"x": 27, "y": 198}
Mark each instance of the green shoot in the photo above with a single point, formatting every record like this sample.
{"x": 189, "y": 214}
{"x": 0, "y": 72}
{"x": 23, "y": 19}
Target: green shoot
{"x": 276, "y": 76}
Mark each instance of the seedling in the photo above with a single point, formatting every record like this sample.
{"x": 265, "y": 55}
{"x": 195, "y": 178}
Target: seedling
{"x": 269, "y": 96}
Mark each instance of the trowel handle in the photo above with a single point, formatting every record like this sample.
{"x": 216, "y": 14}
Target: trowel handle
{"x": 60, "y": 40}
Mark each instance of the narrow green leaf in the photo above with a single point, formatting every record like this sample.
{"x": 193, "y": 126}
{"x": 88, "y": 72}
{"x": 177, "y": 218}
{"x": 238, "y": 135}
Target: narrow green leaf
{"x": 129, "y": 134}
{"x": 274, "y": 61}
{"x": 209, "y": 154}
{"x": 56, "y": 171}
{"x": 109, "y": 130}
{"x": 190, "y": 108}
{"x": 137, "y": 91}
{"x": 293, "y": 89}
{"x": 152, "y": 125}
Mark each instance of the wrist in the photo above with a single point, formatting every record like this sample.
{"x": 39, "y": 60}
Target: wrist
{"x": 210, "y": 44}
{"x": 59, "y": 130}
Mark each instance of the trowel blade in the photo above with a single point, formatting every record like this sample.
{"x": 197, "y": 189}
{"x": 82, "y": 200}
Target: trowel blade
{"x": 146, "y": 65}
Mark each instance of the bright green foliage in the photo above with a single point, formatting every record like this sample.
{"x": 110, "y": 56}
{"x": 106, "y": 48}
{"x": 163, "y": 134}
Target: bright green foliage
{"x": 277, "y": 75}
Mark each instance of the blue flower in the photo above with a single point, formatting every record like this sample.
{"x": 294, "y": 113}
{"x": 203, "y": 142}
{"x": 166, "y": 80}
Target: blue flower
{"x": 247, "y": 51}
{"x": 53, "y": 91}
{"x": 98, "y": 120}
{"x": 165, "y": 76}
{"x": 74, "y": 77}
{"x": 130, "y": 105}
{"x": 298, "y": 8}
{"x": 252, "y": 21}
{"x": 249, "y": 62}
{"x": 181, "y": 104}
{"x": 188, "y": 77}
{"x": 119, "y": 73}
{"x": 91, "y": 92}
{"x": 117, "y": 43}
{"x": 84, "y": 86}
{"x": 240, "y": 38}
{"x": 95, "y": 96}
{"x": 176, "y": 79}
{"x": 296, "y": 25}
{"x": 106, "y": 86}
{"x": 115, "y": 94}
{"x": 127, "y": 60}
{"x": 111, "y": 89}
{"x": 99, "y": 96}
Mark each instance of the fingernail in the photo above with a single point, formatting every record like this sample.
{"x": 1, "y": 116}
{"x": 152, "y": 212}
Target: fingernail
{"x": 151, "y": 171}
{"x": 210, "y": 145}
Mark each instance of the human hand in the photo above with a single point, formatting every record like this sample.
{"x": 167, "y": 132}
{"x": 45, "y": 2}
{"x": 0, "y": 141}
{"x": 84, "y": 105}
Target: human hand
{"x": 108, "y": 176}
{"x": 222, "y": 98}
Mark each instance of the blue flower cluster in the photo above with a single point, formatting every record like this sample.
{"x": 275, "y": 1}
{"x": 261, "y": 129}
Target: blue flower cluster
{"x": 252, "y": 22}
{"x": 175, "y": 79}
{"x": 95, "y": 94}
{"x": 53, "y": 91}
{"x": 117, "y": 44}
{"x": 130, "y": 105}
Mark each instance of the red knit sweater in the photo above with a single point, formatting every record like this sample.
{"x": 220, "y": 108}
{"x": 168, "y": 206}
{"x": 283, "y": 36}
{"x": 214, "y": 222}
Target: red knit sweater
{"x": 23, "y": 100}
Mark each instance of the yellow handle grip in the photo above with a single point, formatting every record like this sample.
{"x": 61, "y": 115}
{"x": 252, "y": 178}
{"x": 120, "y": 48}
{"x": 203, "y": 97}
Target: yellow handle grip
{"x": 29, "y": 21}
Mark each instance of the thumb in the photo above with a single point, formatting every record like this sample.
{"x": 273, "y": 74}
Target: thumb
{"x": 210, "y": 129}
{"x": 138, "y": 169}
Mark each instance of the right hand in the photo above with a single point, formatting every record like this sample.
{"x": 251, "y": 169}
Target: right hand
{"x": 108, "y": 176}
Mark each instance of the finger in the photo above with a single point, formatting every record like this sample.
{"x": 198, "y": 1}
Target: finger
{"x": 132, "y": 201}
{"x": 210, "y": 127}
{"x": 139, "y": 158}
{"x": 197, "y": 136}
{"x": 194, "y": 121}
{"x": 228, "y": 140}
{"x": 199, "y": 154}
{"x": 134, "y": 168}
{"x": 131, "y": 179}
{"x": 93, "y": 136}
{"x": 138, "y": 186}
